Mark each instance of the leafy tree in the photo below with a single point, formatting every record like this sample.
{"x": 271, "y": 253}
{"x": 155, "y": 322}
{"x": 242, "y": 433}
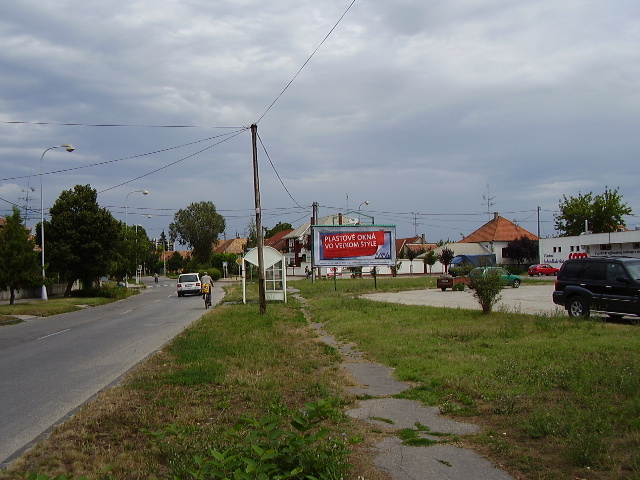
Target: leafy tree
{"x": 412, "y": 254}
{"x": 445, "y": 257}
{"x": 602, "y": 212}
{"x": 81, "y": 238}
{"x": 176, "y": 262}
{"x": 198, "y": 226}
{"x": 252, "y": 235}
{"x": 430, "y": 258}
{"x": 19, "y": 262}
{"x": 521, "y": 250}
{"x": 268, "y": 233}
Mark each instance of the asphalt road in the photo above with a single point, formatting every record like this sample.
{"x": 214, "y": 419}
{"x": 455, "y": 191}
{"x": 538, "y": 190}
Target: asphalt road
{"x": 50, "y": 366}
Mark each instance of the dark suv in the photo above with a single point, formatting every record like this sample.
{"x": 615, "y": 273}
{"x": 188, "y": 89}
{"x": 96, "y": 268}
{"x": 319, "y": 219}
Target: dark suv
{"x": 605, "y": 284}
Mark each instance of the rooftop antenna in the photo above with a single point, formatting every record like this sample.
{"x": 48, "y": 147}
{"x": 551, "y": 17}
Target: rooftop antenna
{"x": 488, "y": 200}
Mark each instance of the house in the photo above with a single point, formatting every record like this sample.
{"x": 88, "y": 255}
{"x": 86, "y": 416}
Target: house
{"x": 494, "y": 235}
{"x": 232, "y": 245}
{"x": 278, "y": 241}
{"x": 298, "y": 241}
{"x": 558, "y": 249}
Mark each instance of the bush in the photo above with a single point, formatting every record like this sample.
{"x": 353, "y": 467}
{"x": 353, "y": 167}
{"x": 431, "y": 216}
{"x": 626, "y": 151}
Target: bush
{"x": 487, "y": 290}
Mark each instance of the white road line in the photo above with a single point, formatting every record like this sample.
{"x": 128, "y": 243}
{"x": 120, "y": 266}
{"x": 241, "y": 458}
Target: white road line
{"x": 52, "y": 334}
{"x": 127, "y": 311}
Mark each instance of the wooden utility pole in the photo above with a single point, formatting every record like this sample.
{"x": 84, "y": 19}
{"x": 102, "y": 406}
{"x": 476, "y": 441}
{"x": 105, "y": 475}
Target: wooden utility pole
{"x": 259, "y": 233}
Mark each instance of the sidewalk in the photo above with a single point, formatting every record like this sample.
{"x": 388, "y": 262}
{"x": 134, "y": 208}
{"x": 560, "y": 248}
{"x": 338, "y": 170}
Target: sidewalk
{"x": 401, "y": 462}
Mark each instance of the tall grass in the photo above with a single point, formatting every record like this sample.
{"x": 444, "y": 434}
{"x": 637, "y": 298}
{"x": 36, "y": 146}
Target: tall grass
{"x": 554, "y": 395}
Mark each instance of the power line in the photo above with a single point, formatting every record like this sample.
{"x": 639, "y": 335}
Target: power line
{"x": 277, "y": 174}
{"x": 106, "y": 162}
{"x": 17, "y": 122}
{"x": 306, "y": 61}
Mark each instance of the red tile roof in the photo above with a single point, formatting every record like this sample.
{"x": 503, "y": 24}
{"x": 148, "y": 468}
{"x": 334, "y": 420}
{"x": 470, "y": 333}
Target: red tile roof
{"x": 232, "y": 245}
{"x": 278, "y": 241}
{"x": 499, "y": 229}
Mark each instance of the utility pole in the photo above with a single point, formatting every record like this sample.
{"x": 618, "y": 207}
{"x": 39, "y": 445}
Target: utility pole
{"x": 259, "y": 233}
{"x": 314, "y": 221}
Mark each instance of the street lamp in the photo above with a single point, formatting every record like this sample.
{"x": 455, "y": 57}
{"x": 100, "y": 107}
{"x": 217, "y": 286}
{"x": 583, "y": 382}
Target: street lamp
{"x": 126, "y": 200}
{"x": 366, "y": 202}
{"x": 68, "y": 148}
{"x": 126, "y": 224}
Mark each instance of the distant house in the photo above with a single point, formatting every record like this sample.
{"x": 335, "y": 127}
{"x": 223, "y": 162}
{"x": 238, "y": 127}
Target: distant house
{"x": 232, "y": 245}
{"x": 494, "y": 235}
{"x": 278, "y": 241}
{"x": 298, "y": 241}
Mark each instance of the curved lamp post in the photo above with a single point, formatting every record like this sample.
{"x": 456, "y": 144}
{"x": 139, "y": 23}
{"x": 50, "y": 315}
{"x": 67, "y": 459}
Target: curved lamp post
{"x": 68, "y": 148}
{"x": 366, "y": 202}
{"x": 126, "y": 224}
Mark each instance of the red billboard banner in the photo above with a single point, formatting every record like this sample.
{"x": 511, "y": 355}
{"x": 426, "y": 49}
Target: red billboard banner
{"x": 352, "y": 244}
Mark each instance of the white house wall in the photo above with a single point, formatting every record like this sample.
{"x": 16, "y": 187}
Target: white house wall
{"x": 558, "y": 249}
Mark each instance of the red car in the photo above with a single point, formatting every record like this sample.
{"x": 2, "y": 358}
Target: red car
{"x": 542, "y": 269}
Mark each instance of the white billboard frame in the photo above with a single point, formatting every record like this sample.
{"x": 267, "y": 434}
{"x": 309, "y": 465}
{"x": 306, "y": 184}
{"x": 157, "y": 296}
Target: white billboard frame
{"x": 353, "y": 245}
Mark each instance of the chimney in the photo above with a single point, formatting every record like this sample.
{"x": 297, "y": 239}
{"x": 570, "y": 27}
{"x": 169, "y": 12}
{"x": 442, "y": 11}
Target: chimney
{"x": 495, "y": 215}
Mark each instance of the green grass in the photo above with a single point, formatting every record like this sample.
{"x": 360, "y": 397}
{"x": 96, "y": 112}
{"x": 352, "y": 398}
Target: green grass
{"x": 555, "y": 398}
{"x": 566, "y": 393}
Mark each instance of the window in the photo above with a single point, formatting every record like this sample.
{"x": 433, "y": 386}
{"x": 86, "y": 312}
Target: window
{"x": 605, "y": 246}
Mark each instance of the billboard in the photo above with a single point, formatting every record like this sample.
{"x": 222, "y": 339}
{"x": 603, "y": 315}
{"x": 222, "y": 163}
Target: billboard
{"x": 353, "y": 245}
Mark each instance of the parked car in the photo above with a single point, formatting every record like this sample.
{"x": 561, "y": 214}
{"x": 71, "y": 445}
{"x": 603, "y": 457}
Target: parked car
{"x": 189, "y": 283}
{"x": 605, "y": 284}
{"x": 506, "y": 277}
{"x": 542, "y": 269}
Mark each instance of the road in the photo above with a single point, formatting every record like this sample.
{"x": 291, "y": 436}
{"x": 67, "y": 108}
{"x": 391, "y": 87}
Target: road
{"x": 50, "y": 366}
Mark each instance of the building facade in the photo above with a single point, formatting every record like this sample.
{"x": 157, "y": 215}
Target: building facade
{"x": 558, "y": 249}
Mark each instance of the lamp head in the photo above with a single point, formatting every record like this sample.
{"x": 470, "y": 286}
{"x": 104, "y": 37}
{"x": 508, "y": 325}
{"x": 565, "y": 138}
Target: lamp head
{"x": 144, "y": 192}
{"x": 67, "y": 147}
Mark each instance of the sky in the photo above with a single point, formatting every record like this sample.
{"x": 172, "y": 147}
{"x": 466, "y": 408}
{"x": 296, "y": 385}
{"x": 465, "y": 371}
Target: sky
{"x": 435, "y": 112}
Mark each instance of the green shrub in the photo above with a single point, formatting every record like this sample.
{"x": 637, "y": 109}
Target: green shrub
{"x": 487, "y": 290}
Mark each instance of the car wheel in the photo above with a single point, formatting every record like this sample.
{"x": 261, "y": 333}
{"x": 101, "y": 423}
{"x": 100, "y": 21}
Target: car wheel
{"x": 577, "y": 307}
{"x": 516, "y": 283}
{"x": 179, "y": 294}
{"x": 443, "y": 288}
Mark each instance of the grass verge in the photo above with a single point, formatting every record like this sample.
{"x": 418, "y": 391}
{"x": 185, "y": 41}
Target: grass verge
{"x": 185, "y": 403}
{"x": 557, "y": 398}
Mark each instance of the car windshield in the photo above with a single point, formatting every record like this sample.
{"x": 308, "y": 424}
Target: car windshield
{"x": 188, "y": 278}
{"x": 634, "y": 269}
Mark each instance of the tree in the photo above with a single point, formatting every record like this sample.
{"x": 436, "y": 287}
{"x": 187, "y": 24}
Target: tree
{"x": 430, "y": 258}
{"x": 411, "y": 255}
{"x": 521, "y": 250}
{"x": 603, "y": 213}
{"x": 176, "y": 262}
{"x": 268, "y": 233}
{"x": 198, "y": 226}
{"x": 81, "y": 237}
{"x": 252, "y": 235}
{"x": 445, "y": 257}
{"x": 19, "y": 262}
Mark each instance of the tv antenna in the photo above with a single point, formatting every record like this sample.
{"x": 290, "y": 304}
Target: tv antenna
{"x": 489, "y": 201}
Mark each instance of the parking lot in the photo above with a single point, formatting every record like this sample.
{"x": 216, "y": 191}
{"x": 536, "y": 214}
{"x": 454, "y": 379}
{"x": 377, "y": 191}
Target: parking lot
{"x": 530, "y": 299}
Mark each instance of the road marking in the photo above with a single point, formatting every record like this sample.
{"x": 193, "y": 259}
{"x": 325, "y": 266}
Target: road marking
{"x": 127, "y": 311}
{"x": 52, "y": 334}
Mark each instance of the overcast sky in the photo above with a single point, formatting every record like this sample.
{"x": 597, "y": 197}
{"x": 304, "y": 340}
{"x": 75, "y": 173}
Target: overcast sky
{"x": 435, "y": 112}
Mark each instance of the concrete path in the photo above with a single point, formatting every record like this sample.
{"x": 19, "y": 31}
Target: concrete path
{"x": 440, "y": 461}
